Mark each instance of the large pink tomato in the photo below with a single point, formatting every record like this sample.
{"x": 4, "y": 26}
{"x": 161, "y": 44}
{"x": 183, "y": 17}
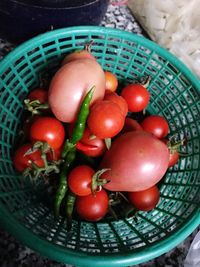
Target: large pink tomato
{"x": 137, "y": 160}
{"x": 71, "y": 83}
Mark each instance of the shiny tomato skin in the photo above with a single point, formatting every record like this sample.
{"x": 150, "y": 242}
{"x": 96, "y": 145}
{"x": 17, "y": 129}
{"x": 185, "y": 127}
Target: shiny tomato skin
{"x": 93, "y": 207}
{"x": 89, "y": 140}
{"x": 48, "y": 129}
{"x": 21, "y": 161}
{"x": 71, "y": 83}
{"x": 145, "y": 200}
{"x": 157, "y": 125}
{"x": 137, "y": 160}
{"x": 38, "y": 94}
{"x": 79, "y": 180}
{"x": 120, "y": 101}
{"x": 105, "y": 119}
{"x": 136, "y": 96}
{"x": 111, "y": 81}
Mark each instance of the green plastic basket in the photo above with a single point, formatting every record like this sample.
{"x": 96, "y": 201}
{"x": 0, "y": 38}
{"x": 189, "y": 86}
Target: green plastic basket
{"x": 175, "y": 93}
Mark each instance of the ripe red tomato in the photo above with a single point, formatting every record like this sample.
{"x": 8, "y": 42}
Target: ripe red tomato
{"x": 55, "y": 155}
{"x": 105, "y": 119}
{"x": 111, "y": 81}
{"x": 120, "y": 101}
{"x": 131, "y": 125}
{"x": 94, "y": 147}
{"x": 38, "y": 94}
{"x": 48, "y": 129}
{"x": 136, "y": 96}
{"x": 173, "y": 153}
{"x": 173, "y": 158}
{"x": 93, "y": 207}
{"x": 80, "y": 179}
{"x": 145, "y": 200}
{"x": 22, "y": 161}
{"x": 156, "y": 125}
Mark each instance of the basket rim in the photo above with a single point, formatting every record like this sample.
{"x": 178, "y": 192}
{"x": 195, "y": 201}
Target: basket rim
{"x": 118, "y": 32}
{"x": 66, "y": 255}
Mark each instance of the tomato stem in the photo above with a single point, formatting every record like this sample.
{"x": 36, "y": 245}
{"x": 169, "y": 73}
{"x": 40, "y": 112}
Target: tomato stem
{"x": 35, "y": 106}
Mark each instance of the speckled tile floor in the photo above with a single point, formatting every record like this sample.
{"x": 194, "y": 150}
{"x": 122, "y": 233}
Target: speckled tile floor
{"x": 14, "y": 254}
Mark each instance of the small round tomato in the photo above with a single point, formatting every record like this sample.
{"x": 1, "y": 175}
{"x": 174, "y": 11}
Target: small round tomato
{"x": 136, "y": 96}
{"x": 156, "y": 125}
{"x": 94, "y": 146}
{"x": 173, "y": 153}
{"x": 22, "y": 161}
{"x": 105, "y": 119}
{"x": 111, "y": 81}
{"x": 173, "y": 158}
{"x": 118, "y": 100}
{"x": 131, "y": 125}
{"x": 48, "y": 129}
{"x": 38, "y": 94}
{"x": 145, "y": 200}
{"x": 54, "y": 155}
{"x": 93, "y": 207}
{"x": 80, "y": 179}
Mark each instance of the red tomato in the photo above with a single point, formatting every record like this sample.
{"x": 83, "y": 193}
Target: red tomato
{"x": 173, "y": 153}
{"x": 118, "y": 100}
{"x": 55, "y": 155}
{"x": 22, "y": 161}
{"x": 137, "y": 160}
{"x": 38, "y": 94}
{"x": 94, "y": 147}
{"x": 131, "y": 125}
{"x": 93, "y": 207}
{"x": 48, "y": 129}
{"x": 136, "y": 96}
{"x": 156, "y": 125}
{"x": 173, "y": 158}
{"x": 145, "y": 200}
{"x": 105, "y": 119}
{"x": 80, "y": 179}
{"x": 111, "y": 81}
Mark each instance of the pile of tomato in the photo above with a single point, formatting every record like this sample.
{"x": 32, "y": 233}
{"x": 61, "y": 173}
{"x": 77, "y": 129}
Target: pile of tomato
{"x": 83, "y": 130}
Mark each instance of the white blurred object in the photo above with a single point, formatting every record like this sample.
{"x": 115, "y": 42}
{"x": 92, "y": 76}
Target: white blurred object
{"x": 175, "y": 25}
{"x": 193, "y": 256}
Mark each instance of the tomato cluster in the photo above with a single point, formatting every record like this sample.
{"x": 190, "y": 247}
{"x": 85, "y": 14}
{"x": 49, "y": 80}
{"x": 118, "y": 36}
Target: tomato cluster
{"x": 98, "y": 145}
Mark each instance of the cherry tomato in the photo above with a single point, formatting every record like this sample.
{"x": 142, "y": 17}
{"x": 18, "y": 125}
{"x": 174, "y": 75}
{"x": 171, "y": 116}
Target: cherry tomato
{"x": 55, "y": 155}
{"x": 105, "y": 119}
{"x": 38, "y": 94}
{"x": 22, "y": 161}
{"x": 156, "y": 125}
{"x": 173, "y": 154}
{"x": 93, "y": 207}
{"x": 131, "y": 125}
{"x": 111, "y": 81}
{"x": 136, "y": 96}
{"x": 120, "y": 101}
{"x": 79, "y": 180}
{"x": 145, "y": 200}
{"x": 94, "y": 146}
{"x": 173, "y": 158}
{"x": 48, "y": 129}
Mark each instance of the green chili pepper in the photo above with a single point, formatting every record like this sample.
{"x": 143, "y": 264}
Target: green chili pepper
{"x": 79, "y": 127}
{"x": 62, "y": 187}
{"x": 69, "y": 209}
{"x": 69, "y": 151}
